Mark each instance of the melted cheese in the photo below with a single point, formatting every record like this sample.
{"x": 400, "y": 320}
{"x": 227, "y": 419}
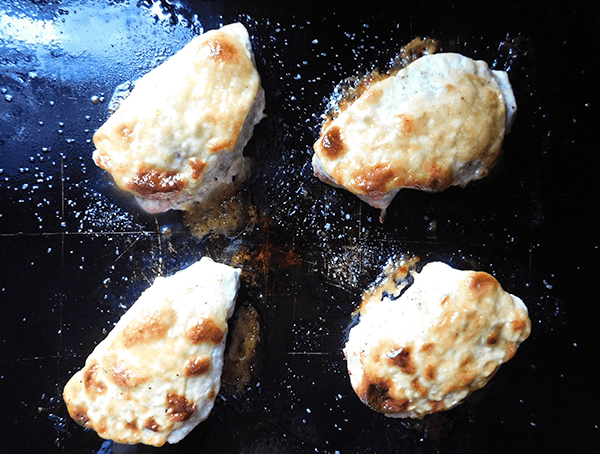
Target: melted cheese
{"x": 443, "y": 338}
{"x": 157, "y": 373}
{"x": 438, "y": 122}
{"x": 185, "y": 123}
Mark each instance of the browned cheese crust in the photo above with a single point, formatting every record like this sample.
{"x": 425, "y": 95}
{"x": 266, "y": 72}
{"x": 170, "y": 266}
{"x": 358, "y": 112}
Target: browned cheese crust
{"x": 444, "y": 338}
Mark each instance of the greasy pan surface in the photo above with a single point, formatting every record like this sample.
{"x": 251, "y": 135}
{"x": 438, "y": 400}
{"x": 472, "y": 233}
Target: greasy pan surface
{"x": 77, "y": 252}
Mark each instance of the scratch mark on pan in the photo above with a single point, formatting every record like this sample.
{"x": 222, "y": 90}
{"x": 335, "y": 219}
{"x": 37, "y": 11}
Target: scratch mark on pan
{"x": 127, "y": 249}
{"x": 160, "y": 251}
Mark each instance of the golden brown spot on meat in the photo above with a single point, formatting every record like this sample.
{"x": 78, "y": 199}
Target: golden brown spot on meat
{"x": 126, "y": 132}
{"x": 179, "y": 408}
{"x": 489, "y": 368}
{"x": 437, "y": 177}
{"x": 430, "y": 372}
{"x": 148, "y": 182}
{"x": 428, "y": 348}
{"x": 492, "y": 97}
{"x": 450, "y": 87}
{"x": 124, "y": 377}
{"x": 150, "y": 326}
{"x": 80, "y": 416}
{"x": 418, "y": 387}
{"x": 103, "y": 161}
{"x": 219, "y": 50}
{"x": 463, "y": 378}
{"x": 492, "y": 338}
{"x": 518, "y": 325}
{"x": 198, "y": 167}
{"x": 333, "y": 143}
{"x": 152, "y": 425}
{"x": 402, "y": 358}
{"x": 374, "y": 179}
{"x": 197, "y": 366}
{"x": 92, "y": 385}
{"x": 212, "y": 394}
{"x": 407, "y": 124}
{"x": 511, "y": 349}
{"x": 214, "y": 146}
{"x": 466, "y": 360}
{"x": 102, "y": 426}
{"x": 375, "y": 393}
{"x": 132, "y": 425}
{"x": 437, "y": 406}
{"x": 205, "y": 330}
{"x": 481, "y": 283}
{"x": 445, "y": 300}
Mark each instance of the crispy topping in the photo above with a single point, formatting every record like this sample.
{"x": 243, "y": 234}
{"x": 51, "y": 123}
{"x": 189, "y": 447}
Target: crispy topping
{"x": 401, "y": 358}
{"x": 150, "y": 327}
{"x": 179, "y": 408}
{"x": 333, "y": 143}
{"x": 373, "y": 179}
{"x": 492, "y": 338}
{"x": 430, "y": 372}
{"x": 197, "y": 366}
{"x": 80, "y": 415}
{"x": 481, "y": 283}
{"x": 148, "y": 181}
{"x": 92, "y": 385}
{"x": 418, "y": 387}
{"x": 152, "y": 425}
{"x": 219, "y": 49}
{"x": 132, "y": 425}
{"x": 206, "y": 330}
{"x": 377, "y": 396}
{"x": 124, "y": 377}
{"x": 102, "y": 161}
{"x": 198, "y": 167}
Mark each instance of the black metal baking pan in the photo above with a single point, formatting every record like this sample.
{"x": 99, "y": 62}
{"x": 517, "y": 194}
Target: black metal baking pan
{"x": 76, "y": 251}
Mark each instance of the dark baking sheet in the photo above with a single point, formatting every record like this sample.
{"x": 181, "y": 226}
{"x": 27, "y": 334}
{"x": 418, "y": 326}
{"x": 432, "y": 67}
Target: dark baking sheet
{"x": 76, "y": 252}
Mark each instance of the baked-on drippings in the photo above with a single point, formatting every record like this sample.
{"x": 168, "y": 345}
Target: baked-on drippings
{"x": 178, "y": 137}
{"x": 423, "y": 348}
{"x": 147, "y": 381}
{"x": 245, "y": 337}
{"x": 438, "y": 122}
